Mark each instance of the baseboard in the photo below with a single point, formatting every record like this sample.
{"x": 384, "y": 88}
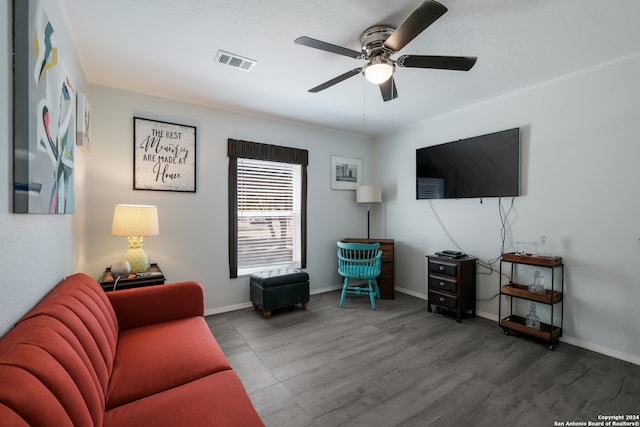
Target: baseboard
{"x": 488, "y": 316}
{"x": 412, "y": 293}
{"x": 602, "y": 350}
{"x": 325, "y": 290}
{"x": 582, "y": 344}
{"x": 228, "y": 308}
{"x": 569, "y": 340}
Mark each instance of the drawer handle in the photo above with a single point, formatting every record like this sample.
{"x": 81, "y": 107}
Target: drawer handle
{"x": 442, "y": 284}
{"x": 441, "y": 268}
{"x": 442, "y": 299}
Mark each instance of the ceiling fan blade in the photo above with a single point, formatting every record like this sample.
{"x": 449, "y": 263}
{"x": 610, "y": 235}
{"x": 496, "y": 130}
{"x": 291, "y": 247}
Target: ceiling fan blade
{"x": 426, "y": 14}
{"x": 388, "y": 90}
{"x": 459, "y": 63}
{"x": 328, "y": 47}
{"x": 335, "y": 80}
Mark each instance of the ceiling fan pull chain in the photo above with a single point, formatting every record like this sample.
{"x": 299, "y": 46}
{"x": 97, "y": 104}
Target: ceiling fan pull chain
{"x": 364, "y": 103}
{"x": 393, "y": 107}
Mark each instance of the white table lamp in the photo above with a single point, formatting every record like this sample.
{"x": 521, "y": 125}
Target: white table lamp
{"x": 135, "y": 222}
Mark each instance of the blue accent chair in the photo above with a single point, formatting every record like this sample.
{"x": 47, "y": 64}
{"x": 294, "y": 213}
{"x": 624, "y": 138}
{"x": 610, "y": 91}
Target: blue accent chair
{"x": 360, "y": 261}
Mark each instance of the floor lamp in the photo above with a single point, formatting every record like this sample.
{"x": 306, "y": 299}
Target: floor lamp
{"x": 368, "y": 194}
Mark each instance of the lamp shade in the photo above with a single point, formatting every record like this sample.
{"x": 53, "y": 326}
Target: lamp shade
{"x": 378, "y": 71}
{"x": 135, "y": 220}
{"x": 368, "y": 194}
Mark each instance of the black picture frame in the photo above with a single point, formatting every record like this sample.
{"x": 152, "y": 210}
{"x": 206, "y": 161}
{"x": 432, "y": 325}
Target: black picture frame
{"x": 164, "y": 156}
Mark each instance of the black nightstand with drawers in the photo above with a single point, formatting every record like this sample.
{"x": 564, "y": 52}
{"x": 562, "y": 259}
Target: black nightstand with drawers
{"x": 452, "y": 284}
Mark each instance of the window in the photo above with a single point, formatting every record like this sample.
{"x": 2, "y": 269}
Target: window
{"x": 267, "y": 207}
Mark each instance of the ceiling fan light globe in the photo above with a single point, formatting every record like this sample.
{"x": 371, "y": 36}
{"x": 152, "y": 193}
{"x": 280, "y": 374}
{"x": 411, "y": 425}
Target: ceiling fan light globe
{"x": 378, "y": 72}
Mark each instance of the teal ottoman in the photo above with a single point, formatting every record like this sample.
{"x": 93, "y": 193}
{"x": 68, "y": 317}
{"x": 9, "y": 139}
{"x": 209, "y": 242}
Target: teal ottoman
{"x": 278, "y": 288}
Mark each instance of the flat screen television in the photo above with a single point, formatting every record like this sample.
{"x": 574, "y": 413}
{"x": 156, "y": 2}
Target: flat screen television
{"x": 482, "y": 166}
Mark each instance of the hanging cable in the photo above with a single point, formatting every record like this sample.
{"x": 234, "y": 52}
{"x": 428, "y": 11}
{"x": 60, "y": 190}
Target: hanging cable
{"x": 364, "y": 101}
{"x": 505, "y": 230}
{"x": 393, "y": 109}
{"x": 444, "y": 227}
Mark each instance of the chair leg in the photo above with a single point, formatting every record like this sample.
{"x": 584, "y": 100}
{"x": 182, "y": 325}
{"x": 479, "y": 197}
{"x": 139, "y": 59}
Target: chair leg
{"x": 375, "y": 283}
{"x": 372, "y": 294}
{"x": 344, "y": 290}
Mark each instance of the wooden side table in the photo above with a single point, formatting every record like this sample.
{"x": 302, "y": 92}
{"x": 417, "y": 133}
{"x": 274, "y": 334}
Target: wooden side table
{"x": 153, "y": 276}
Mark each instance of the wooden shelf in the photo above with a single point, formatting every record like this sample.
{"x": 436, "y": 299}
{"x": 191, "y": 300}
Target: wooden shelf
{"x": 518, "y": 324}
{"x": 513, "y": 322}
{"x": 522, "y": 291}
{"x": 545, "y": 261}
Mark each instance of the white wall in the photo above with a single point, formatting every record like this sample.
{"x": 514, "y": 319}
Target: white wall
{"x": 580, "y": 188}
{"x": 192, "y": 244}
{"x": 36, "y": 251}
{"x": 580, "y": 149}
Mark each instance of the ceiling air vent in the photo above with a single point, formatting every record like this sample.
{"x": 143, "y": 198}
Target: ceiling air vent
{"x": 235, "y": 61}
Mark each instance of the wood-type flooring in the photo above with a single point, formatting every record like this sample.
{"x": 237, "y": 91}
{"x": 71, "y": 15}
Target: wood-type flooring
{"x": 402, "y": 366}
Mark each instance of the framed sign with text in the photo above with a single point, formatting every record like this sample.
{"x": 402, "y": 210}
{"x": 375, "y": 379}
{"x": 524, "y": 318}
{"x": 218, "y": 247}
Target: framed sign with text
{"x": 164, "y": 156}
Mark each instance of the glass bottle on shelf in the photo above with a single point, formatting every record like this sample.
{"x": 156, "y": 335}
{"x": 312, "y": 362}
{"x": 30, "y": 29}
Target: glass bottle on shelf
{"x": 542, "y": 247}
{"x": 533, "y": 321}
{"x": 537, "y": 287}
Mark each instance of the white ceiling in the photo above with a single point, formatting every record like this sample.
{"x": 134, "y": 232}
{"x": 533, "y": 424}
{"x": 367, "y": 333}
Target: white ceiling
{"x": 168, "y": 47}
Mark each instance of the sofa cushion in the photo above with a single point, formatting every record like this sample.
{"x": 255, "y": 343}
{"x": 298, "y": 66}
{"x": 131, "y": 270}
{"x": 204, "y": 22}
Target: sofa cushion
{"x": 80, "y": 303}
{"x": 10, "y": 418}
{"x": 154, "y": 358}
{"x": 45, "y": 377}
{"x": 156, "y": 304}
{"x": 61, "y": 351}
{"x": 215, "y": 400}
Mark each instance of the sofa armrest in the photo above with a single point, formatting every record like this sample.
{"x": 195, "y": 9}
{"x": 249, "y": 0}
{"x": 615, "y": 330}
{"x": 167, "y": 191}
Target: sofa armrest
{"x": 153, "y": 304}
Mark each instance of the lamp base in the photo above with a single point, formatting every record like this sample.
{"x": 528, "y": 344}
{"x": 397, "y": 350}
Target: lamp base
{"x": 138, "y": 259}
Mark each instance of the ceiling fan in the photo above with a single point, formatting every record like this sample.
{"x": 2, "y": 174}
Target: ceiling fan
{"x": 379, "y": 42}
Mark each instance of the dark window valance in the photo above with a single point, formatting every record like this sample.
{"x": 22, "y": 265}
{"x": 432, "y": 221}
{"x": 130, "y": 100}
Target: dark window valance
{"x": 272, "y": 153}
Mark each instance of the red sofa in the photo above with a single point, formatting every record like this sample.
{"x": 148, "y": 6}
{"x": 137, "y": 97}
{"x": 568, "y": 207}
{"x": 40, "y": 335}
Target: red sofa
{"x": 136, "y": 357}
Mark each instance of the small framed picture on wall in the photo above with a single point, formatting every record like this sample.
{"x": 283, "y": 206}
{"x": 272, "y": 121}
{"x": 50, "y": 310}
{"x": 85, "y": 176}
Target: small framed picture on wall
{"x": 83, "y": 122}
{"x": 164, "y": 156}
{"x": 346, "y": 173}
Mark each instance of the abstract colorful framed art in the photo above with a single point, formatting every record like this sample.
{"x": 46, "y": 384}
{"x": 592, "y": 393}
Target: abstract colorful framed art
{"x": 44, "y": 114}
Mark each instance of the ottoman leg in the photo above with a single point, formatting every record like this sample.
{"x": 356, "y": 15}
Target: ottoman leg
{"x": 304, "y": 305}
{"x": 267, "y": 314}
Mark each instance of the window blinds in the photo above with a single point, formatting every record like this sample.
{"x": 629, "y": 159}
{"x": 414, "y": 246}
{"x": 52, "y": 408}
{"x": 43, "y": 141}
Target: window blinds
{"x": 268, "y": 215}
